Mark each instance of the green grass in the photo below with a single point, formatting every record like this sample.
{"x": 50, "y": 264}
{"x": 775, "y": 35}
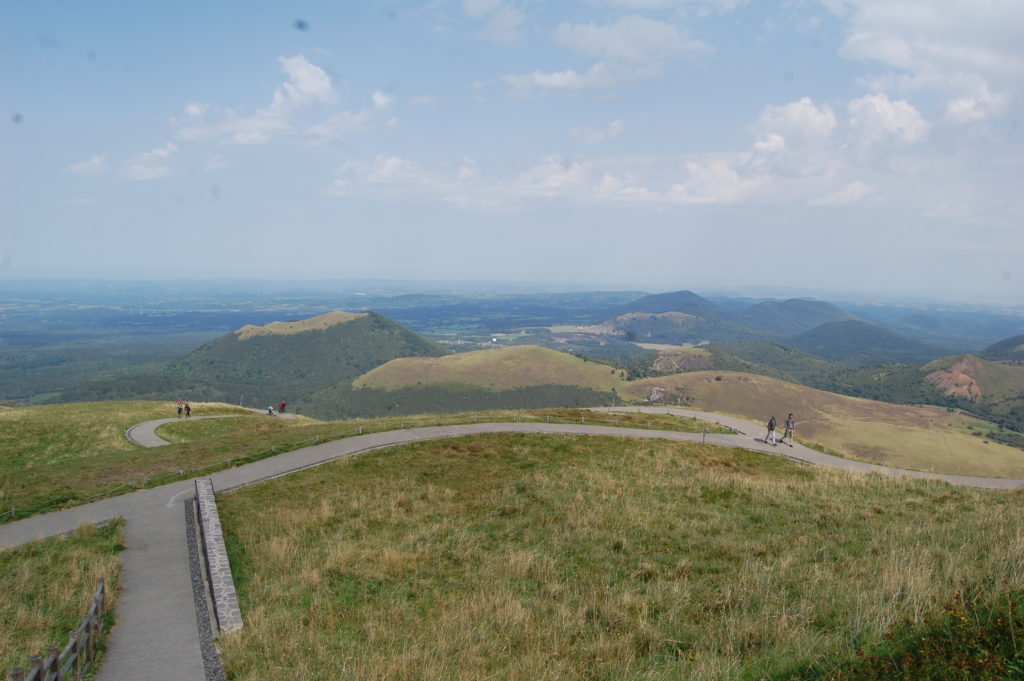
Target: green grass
{"x": 548, "y": 557}
{"x": 48, "y": 586}
{"x": 60, "y": 455}
{"x": 66, "y": 455}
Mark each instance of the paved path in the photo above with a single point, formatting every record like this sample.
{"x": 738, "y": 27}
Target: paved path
{"x": 156, "y": 638}
{"x": 144, "y": 434}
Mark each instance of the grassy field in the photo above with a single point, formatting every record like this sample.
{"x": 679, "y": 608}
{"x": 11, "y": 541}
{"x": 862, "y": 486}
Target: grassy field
{"x": 543, "y": 557}
{"x": 62, "y": 454}
{"x": 498, "y": 369}
{"x": 68, "y": 454}
{"x": 919, "y": 438}
{"x": 47, "y": 587}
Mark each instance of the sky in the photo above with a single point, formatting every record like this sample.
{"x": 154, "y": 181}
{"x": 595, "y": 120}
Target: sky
{"x": 868, "y": 146}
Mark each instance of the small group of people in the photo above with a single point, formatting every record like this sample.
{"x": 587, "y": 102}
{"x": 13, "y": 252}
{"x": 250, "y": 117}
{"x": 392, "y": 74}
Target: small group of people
{"x": 790, "y": 431}
{"x": 184, "y": 407}
{"x": 280, "y": 409}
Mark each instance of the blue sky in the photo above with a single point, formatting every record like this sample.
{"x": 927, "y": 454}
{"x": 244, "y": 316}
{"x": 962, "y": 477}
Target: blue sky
{"x": 834, "y": 145}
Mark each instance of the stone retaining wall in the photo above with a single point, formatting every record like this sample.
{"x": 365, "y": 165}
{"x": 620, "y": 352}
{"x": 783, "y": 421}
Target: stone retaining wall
{"x": 222, "y": 584}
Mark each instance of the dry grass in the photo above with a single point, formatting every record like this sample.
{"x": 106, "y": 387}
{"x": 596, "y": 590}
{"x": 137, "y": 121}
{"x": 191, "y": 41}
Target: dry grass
{"x": 47, "y": 587}
{"x": 919, "y": 438}
{"x": 533, "y": 557}
{"x": 318, "y": 323}
{"x": 498, "y": 369}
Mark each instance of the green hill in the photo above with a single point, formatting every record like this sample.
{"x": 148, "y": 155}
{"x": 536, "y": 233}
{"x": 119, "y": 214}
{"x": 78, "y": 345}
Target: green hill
{"x": 789, "y": 317}
{"x": 677, "y": 301}
{"x": 861, "y": 343}
{"x": 1009, "y": 350}
{"x": 261, "y": 365}
{"x": 516, "y": 377}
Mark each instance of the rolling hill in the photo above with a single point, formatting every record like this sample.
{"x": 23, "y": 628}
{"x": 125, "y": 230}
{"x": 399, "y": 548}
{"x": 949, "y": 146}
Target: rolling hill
{"x": 278, "y": 361}
{"x": 1009, "y": 350}
{"x": 790, "y": 317}
{"x": 516, "y": 377}
{"x": 498, "y": 369}
{"x": 923, "y": 438}
{"x": 861, "y": 343}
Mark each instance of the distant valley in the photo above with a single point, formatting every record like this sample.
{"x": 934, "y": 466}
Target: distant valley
{"x": 401, "y": 353}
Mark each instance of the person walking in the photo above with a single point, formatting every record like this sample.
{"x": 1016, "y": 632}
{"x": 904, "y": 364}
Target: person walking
{"x": 188, "y": 410}
{"x": 790, "y": 430}
{"x": 771, "y": 432}
{"x": 280, "y": 408}
{"x": 179, "y": 408}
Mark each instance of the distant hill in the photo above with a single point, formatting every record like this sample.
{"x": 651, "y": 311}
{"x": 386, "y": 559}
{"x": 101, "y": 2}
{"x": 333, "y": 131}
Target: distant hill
{"x": 677, "y": 301}
{"x": 498, "y": 369}
{"x": 1009, "y": 350}
{"x": 861, "y": 343}
{"x": 789, "y": 317}
{"x": 264, "y": 365}
{"x": 771, "y": 359}
{"x": 515, "y": 377}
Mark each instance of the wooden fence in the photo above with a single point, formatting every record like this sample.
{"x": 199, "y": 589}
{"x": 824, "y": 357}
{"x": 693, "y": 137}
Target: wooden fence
{"x": 74, "y": 661}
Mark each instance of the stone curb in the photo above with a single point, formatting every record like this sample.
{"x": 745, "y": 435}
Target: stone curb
{"x": 222, "y": 584}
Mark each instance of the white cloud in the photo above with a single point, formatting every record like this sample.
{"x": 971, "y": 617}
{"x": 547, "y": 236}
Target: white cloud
{"x": 598, "y": 77}
{"x": 307, "y": 85}
{"x": 632, "y": 39}
{"x": 424, "y": 100}
{"x": 589, "y": 135}
{"x": 794, "y": 139}
{"x": 196, "y": 109}
{"x": 875, "y": 119}
{"x": 503, "y": 26}
{"x": 216, "y": 162}
{"x": 966, "y": 51}
{"x": 479, "y": 8}
{"x": 150, "y": 165}
{"x": 94, "y": 165}
{"x": 717, "y": 181}
{"x": 851, "y": 193}
{"x": 802, "y": 120}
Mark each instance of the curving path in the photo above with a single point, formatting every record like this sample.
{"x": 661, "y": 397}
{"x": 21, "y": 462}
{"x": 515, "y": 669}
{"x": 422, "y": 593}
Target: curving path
{"x": 157, "y": 638}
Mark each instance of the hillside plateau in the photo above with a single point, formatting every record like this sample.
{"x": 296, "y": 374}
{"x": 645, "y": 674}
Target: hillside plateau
{"x": 920, "y": 438}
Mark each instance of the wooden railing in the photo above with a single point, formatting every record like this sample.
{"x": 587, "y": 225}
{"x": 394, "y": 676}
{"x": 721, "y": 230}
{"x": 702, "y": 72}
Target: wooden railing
{"x": 74, "y": 661}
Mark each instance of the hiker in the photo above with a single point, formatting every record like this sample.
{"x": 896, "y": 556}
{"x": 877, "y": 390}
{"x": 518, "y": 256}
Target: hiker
{"x": 280, "y": 408}
{"x": 790, "y": 430}
{"x": 270, "y": 410}
{"x": 179, "y": 408}
{"x": 771, "y": 431}
{"x": 188, "y": 410}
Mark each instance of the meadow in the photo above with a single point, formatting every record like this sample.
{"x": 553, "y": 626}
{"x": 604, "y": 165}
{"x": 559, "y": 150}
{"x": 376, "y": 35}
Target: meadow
{"x": 556, "y": 557}
{"x": 48, "y": 585}
{"x": 64, "y": 455}
{"x": 931, "y": 439}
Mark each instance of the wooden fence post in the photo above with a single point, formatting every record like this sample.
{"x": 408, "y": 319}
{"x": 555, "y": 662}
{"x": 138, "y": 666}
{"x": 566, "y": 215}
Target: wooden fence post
{"x": 52, "y": 663}
{"x": 37, "y": 666}
{"x": 17, "y": 674}
{"x": 76, "y": 650}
